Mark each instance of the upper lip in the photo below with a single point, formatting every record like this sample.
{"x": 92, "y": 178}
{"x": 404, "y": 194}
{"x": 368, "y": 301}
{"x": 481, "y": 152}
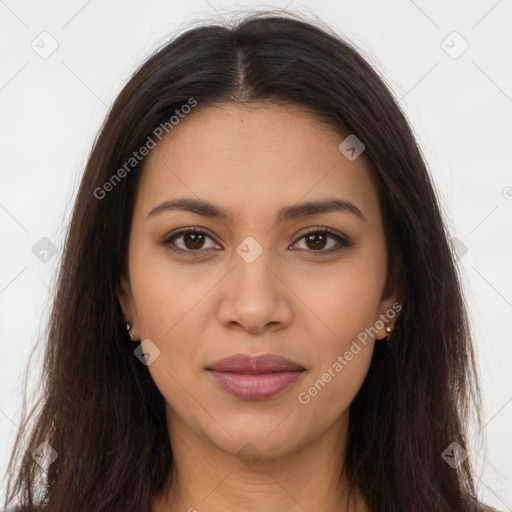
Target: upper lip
{"x": 243, "y": 363}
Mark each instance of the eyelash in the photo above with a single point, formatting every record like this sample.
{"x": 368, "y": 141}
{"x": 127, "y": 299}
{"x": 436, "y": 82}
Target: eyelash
{"x": 344, "y": 242}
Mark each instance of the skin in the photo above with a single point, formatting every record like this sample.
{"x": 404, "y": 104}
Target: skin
{"x": 294, "y": 300}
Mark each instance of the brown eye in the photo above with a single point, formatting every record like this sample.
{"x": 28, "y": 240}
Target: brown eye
{"x": 317, "y": 240}
{"x": 193, "y": 241}
{"x": 189, "y": 240}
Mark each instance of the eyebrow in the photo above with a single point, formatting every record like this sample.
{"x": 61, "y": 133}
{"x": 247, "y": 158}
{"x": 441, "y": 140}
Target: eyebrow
{"x": 287, "y": 213}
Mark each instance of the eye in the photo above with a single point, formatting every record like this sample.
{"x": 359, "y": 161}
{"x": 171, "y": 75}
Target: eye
{"x": 316, "y": 240}
{"x": 193, "y": 241}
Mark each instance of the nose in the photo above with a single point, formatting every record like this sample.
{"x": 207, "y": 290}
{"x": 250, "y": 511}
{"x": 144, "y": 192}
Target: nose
{"x": 255, "y": 297}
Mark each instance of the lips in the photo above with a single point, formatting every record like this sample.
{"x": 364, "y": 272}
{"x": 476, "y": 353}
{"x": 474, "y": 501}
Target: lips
{"x": 249, "y": 377}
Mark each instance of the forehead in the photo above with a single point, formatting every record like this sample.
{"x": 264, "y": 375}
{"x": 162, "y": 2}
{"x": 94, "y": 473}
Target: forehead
{"x": 256, "y": 158}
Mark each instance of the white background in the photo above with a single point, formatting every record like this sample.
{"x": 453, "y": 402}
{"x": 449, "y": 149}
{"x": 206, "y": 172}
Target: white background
{"x": 460, "y": 108}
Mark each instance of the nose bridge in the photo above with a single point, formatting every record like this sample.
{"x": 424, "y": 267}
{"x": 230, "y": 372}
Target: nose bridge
{"x": 252, "y": 261}
{"x": 254, "y": 296}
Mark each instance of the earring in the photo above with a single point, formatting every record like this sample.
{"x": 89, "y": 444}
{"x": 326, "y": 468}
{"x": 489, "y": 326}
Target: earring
{"x": 129, "y": 331}
{"x": 388, "y": 330}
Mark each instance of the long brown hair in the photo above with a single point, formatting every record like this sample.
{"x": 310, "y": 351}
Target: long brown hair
{"x": 96, "y": 398}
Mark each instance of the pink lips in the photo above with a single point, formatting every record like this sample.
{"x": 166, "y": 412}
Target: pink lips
{"x": 255, "y": 377}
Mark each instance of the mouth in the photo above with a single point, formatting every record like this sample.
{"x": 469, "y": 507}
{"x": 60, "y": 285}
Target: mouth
{"x": 250, "y": 378}
{"x": 255, "y": 386}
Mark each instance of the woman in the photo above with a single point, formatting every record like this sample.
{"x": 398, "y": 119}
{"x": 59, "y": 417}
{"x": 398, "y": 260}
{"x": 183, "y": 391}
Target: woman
{"x": 258, "y": 307}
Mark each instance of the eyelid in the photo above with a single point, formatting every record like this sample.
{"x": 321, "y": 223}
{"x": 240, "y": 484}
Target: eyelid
{"x": 166, "y": 241}
{"x": 343, "y": 241}
{"x": 329, "y": 231}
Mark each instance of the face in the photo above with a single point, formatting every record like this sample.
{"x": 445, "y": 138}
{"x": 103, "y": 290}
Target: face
{"x": 261, "y": 275}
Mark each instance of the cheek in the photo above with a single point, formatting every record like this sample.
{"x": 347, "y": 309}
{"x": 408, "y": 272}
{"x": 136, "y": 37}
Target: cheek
{"x": 347, "y": 307}
{"x": 341, "y": 356}
{"x": 167, "y": 294}
{"x": 170, "y": 305}
{"x": 346, "y": 299}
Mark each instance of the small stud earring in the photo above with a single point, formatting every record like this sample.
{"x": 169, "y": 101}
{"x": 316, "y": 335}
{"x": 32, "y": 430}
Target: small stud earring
{"x": 388, "y": 330}
{"x": 129, "y": 331}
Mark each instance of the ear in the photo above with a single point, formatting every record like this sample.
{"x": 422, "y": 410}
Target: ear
{"x": 125, "y": 297}
{"x": 389, "y": 309}
{"x": 391, "y": 303}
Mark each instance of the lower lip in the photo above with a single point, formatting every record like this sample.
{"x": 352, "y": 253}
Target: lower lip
{"x": 255, "y": 387}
